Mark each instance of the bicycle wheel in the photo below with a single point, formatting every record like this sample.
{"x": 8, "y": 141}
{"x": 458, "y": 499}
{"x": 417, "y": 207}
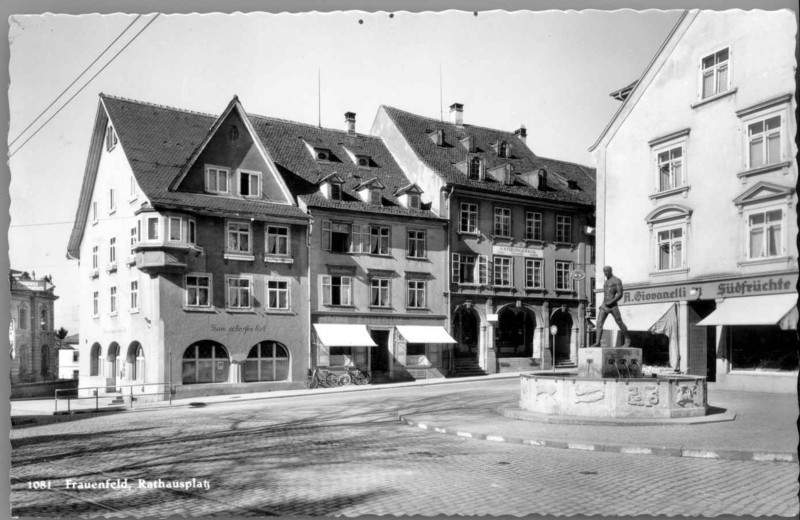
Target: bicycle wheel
{"x": 362, "y": 378}
{"x": 332, "y": 380}
{"x": 344, "y": 379}
{"x": 311, "y": 382}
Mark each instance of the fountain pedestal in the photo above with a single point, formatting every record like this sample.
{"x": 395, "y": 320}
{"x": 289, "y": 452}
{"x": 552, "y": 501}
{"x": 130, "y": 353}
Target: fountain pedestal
{"x": 599, "y": 362}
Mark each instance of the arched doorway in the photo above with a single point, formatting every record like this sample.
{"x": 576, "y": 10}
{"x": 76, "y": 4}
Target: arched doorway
{"x": 563, "y": 337}
{"x": 111, "y": 359}
{"x": 45, "y": 361}
{"x": 135, "y": 361}
{"x": 513, "y": 335}
{"x": 205, "y": 362}
{"x": 95, "y": 360}
{"x": 466, "y": 327}
{"x": 267, "y": 361}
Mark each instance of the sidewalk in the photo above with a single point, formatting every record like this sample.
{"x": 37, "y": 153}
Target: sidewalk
{"x": 764, "y": 429}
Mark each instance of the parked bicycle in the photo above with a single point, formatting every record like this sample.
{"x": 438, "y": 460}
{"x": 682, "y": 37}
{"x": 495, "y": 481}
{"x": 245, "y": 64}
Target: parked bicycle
{"x": 320, "y": 377}
{"x": 354, "y": 375}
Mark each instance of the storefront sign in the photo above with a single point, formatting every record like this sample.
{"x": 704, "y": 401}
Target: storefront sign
{"x": 772, "y": 284}
{"x": 242, "y": 329}
{"x": 517, "y": 251}
{"x": 659, "y": 294}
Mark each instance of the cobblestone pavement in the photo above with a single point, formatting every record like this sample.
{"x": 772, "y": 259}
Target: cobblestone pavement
{"x": 346, "y": 454}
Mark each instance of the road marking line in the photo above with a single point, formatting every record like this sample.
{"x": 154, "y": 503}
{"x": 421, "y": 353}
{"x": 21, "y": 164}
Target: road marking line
{"x": 464, "y": 434}
{"x": 439, "y": 430}
{"x": 578, "y": 446}
{"x": 496, "y": 438}
{"x": 533, "y": 442}
{"x": 782, "y": 457}
{"x": 700, "y": 454}
{"x": 636, "y": 450}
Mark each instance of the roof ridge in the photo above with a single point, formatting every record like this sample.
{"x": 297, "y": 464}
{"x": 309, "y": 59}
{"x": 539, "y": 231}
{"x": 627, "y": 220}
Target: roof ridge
{"x": 510, "y": 132}
{"x": 566, "y": 162}
{"x": 336, "y": 130}
{"x": 157, "y": 105}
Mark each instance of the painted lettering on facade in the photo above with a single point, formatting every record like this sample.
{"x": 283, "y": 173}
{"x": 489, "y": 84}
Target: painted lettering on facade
{"x": 678, "y": 293}
{"x": 242, "y": 329}
{"x": 757, "y": 286}
{"x": 517, "y": 251}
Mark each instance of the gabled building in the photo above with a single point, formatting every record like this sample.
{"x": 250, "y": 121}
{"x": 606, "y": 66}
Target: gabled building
{"x": 32, "y": 337}
{"x": 193, "y": 256}
{"x": 520, "y": 238}
{"x": 697, "y": 200}
{"x": 378, "y": 254}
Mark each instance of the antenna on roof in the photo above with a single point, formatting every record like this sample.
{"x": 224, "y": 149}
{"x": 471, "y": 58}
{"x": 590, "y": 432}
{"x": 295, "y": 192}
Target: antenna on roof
{"x": 441, "y": 106}
{"x": 319, "y": 98}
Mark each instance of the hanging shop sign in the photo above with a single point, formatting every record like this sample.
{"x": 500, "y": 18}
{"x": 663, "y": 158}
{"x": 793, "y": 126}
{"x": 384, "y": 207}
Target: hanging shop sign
{"x": 517, "y": 251}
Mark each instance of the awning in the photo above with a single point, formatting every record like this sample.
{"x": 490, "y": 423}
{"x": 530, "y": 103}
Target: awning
{"x": 639, "y": 317}
{"x": 425, "y": 334}
{"x": 343, "y": 335}
{"x": 772, "y": 309}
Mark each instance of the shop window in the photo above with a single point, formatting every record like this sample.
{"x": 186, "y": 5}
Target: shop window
{"x": 267, "y": 361}
{"x": 415, "y": 349}
{"x": 763, "y": 348}
{"x": 205, "y": 362}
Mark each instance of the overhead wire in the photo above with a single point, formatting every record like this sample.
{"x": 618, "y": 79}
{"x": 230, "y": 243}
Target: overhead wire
{"x": 11, "y": 154}
{"x": 74, "y": 81}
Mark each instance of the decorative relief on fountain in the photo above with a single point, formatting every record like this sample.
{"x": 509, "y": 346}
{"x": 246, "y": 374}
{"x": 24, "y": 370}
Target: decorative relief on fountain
{"x": 547, "y": 389}
{"x": 685, "y": 396}
{"x": 648, "y": 397}
{"x": 588, "y": 394}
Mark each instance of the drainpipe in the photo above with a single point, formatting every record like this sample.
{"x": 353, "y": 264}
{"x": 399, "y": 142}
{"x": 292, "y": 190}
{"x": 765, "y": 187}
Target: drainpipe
{"x": 447, "y": 293}
{"x": 309, "y": 282}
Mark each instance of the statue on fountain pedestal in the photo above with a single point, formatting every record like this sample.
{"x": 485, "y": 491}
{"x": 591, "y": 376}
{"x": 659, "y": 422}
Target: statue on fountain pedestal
{"x": 612, "y": 293}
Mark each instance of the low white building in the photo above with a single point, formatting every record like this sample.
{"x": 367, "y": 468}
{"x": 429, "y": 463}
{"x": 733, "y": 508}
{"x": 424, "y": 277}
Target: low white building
{"x": 696, "y": 202}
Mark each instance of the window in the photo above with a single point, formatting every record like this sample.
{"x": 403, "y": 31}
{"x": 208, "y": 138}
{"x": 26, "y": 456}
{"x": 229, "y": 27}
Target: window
{"x": 43, "y": 322}
{"x": 470, "y": 269}
{"x": 217, "y": 180}
{"x": 277, "y": 240}
{"x": 95, "y": 304}
{"x": 502, "y": 222}
{"x": 267, "y": 361}
{"x": 468, "y": 218}
{"x": 134, "y": 190}
{"x": 379, "y": 292}
{"x": 75, "y": 357}
{"x": 113, "y": 300}
{"x": 23, "y": 316}
{"x": 533, "y": 273}
{"x": 670, "y": 169}
{"x": 765, "y": 234}
{"x": 475, "y": 168}
{"x": 502, "y": 271}
{"x": 413, "y": 201}
{"x": 249, "y": 184}
{"x": 278, "y": 294}
{"x": 175, "y": 229}
{"x": 714, "y": 70}
{"x": 111, "y": 138}
{"x": 764, "y": 142}
{"x": 336, "y": 290}
{"x": 95, "y": 258}
{"x": 137, "y": 366}
{"x": 416, "y": 294}
{"x": 205, "y": 362}
{"x": 336, "y": 236}
{"x": 192, "y": 231}
{"x": 375, "y": 197}
{"x": 134, "y": 237}
{"x": 112, "y": 250}
{"x": 336, "y": 191}
{"x": 152, "y": 228}
{"x": 112, "y": 203}
{"x": 563, "y": 229}
{"x": 416, "y": 244}
{"x": 239, "y": 292}
{"x": 134, "y": 296}
{"x": 505, "y": 150}
{"x": 198, "y": 290}
{"x": 670, "y": 249}
{"x": 379, "y": 240}
{"x": 533, "y": 226}
{"x": 238, "y": 237}
{"x": 563, "y": 279}
{"x": 94, "y": 211}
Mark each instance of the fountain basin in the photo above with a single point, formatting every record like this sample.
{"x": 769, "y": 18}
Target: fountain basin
{"x": 666, "y": 396}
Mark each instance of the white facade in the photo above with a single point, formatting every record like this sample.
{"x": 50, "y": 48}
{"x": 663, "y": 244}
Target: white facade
{"x": 68, "y": 364}
{"x": 696, "y": 183}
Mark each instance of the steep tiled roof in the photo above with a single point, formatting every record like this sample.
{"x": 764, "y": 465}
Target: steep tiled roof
{"x": 285, "y": 143}
{"x": 158, "y": 141}
{"x": 443, "y": 159}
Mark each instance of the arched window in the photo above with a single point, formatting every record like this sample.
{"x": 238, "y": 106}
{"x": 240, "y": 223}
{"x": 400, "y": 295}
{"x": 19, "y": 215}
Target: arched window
{"x": 135, "y": 361}
{"x": 23, "y": 316}
{"x": 504, "y": 149}
{"x": 43, "y": 321}
{"x": 94, "y": 360}
{"x": 205, "y": 362}
{"x": 267, "y": 361}
{"x": 475, "y": 168}
{"x": 45, "y": 361}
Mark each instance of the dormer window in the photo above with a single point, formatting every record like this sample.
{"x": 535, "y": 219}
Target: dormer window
{"x": 468, "y": 143}
{"x": 437, "y": 137}
{"x": 322, "y": 154}
{"x": 336, "y": 191}
{"x": 111, "y": 138}
{"x": 475, "y": 168}
{"x": 504, "y": 150}
{"x": 413, "y": 201}
{"x": 370, "y": 191}
{"x": 363, "y": 161}
{"x": 375, "y": 197}
{"x": 217, "y": 180}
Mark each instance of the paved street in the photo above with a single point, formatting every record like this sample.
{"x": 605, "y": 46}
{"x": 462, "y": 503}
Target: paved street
{"x": 347, "y": 454}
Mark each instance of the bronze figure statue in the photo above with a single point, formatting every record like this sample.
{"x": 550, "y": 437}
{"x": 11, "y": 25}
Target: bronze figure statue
{"x": 612, "y": 293}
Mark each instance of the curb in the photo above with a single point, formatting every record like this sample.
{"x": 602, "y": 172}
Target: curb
{"x": 753, "y": 456}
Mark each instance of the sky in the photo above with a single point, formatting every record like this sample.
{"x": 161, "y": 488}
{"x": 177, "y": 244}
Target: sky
{"x": 551, "y": 71}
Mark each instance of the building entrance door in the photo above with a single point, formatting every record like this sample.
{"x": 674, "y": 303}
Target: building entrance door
{"x": 563, "y": 336}
{"x": 380, "y": 355}
{"x": 465, "y": 328}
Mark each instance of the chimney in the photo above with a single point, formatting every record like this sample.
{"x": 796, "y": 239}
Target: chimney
{"x": 521, "y": 133}
{"x": 350, "y": 119}
{"x": 457, "y": 114}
